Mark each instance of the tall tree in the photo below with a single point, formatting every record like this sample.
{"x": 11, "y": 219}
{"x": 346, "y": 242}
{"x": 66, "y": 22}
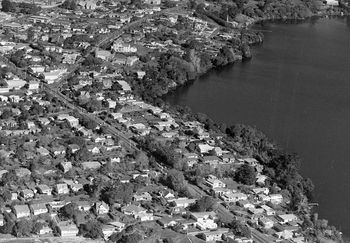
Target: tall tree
{"x": 246, "y": 174}
{"x": 8, "y": 6}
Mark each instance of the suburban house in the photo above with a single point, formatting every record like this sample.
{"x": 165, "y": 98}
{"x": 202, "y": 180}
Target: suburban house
{"x": 182, "y": 202}
{"x": 286, "y": 218}
{"x": 66, "y": 166}
{"x": 219, "y": 191}
{"x": 91, "y": 165}
{"x": 261, "y": 190}
{"x": 268, "y": 210}
{"x": 101, "y": 208}
{"x": 228, "y": 158}
{"x": 21, "y": 211}
{"x": 214, "y": 236}
{"x": 145, "y": 196}
{"x": 45, "y": 230}
{"x": 212, "y": 160}
{"x": 118, "y": 226}
{"x": 166, "y": 221}
{"x": 74, "y": 187}
{"x": 43, "y": 151}
{"x": 276, "y": 198}
{"x": 38, "y": 208}
{"x": 264, "y": 198}
{"x": 27, "y": 193}
{"x": 204, "y": 148}
{"x": 67, "y": 229}
{"x": 22, "y": 172}
{"x": 213, "y": 181}
{"x": 261, "y": 179}
{"x": 234, "y": 197}
{"x": 62, "y": 188}
{"x": 152, "y": 2}
{"x": 107, "y": 231}
{"x": 266, "y": 222}
{"x": 102, "y": 54}
{"x": 245, "y": 204}
{"x": 204, "y": 220}
{"x": 144, "y": 216}
{"x": 133, "y": 209}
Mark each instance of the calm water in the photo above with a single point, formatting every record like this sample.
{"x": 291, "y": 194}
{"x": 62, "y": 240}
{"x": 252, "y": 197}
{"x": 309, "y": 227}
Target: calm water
{"x": 296, "y": 89}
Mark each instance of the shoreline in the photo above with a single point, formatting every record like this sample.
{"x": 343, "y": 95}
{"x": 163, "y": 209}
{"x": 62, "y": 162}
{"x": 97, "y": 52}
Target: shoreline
{"x": 253, "y": 43}
{"x": 217, "y": 68}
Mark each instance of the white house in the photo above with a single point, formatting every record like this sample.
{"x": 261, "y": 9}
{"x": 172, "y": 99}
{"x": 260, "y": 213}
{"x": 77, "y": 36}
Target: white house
{"x": 245, "y": 204}
{"x": 276, "y": 198}
{"x": 266, "y": 222}
{"x": 38, "y": 208}
{"x": 152, "y": 2}
{"x": 204, "y": 148}
{"x": 101, "y": 208}
{"x": 66, "y": 166}
{"x": 21, "y": 211}
{"x": 285, "y": 218}
{"x": 44, "y": 189}
{"x": 182, "y": 202}
{"x": 234, "y": 197}
{"x": 27, "y": 193}
{"x": 62, "y": 188}
{"x": 332, "y": 2}
{"x": 268, "y": 210}
{"x": 214, "y": 236}
{"x": 119, "y": 226}
{"x": 213, "y": 182}
{"x": 133, "y": 209}
{"x": 261, "y": 190}
{"x": 67, "y": 229}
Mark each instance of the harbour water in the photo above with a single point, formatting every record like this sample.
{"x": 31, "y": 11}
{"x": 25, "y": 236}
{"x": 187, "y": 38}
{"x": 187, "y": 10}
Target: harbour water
{"x": 296, "y": 89}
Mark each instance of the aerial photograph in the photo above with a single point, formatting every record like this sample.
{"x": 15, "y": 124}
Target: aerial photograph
{"x": 174, "y": 121}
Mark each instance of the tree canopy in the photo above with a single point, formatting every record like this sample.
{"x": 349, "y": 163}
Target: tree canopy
{"x": 246, "y": 174}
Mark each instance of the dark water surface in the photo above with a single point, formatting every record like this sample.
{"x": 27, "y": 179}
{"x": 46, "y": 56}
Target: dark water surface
{"x": 296, "y": 89}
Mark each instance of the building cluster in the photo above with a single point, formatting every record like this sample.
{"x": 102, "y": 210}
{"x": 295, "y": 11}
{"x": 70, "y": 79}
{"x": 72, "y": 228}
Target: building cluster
{"x": 70, "y": 116}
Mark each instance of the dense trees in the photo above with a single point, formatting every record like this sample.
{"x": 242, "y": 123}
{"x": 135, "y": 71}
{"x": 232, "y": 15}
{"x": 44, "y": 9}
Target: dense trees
{"x": 279, "y": 166}
{"x": 163, "y": 153}
{"x": 22, "y": 228}
{"x": 175, "y": 180}
{"x": 8, "y": 6}
{"x": 246, "y": 174}
{"x": 118, "y": 193}
{"x": 239, "y": 229}
{"x": 26, "y": 8}
{"x": 17, "y": 58}
{"x": 250, "y": 137}
{"x": 92, "y": 61}
{"x": 69, "y": 211}
{"x": 131, "y": 238}
{"x": 91, "y": 229}
{"x": 69, "y": 4}
{"x": 6, "y": 114}
{"x": 205, "y": 203}
{"x": 93, "y": 105}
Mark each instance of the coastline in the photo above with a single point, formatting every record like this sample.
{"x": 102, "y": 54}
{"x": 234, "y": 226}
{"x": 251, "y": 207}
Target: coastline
{"x": 255, "y": 37}
{"x": 255, "y": 42}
